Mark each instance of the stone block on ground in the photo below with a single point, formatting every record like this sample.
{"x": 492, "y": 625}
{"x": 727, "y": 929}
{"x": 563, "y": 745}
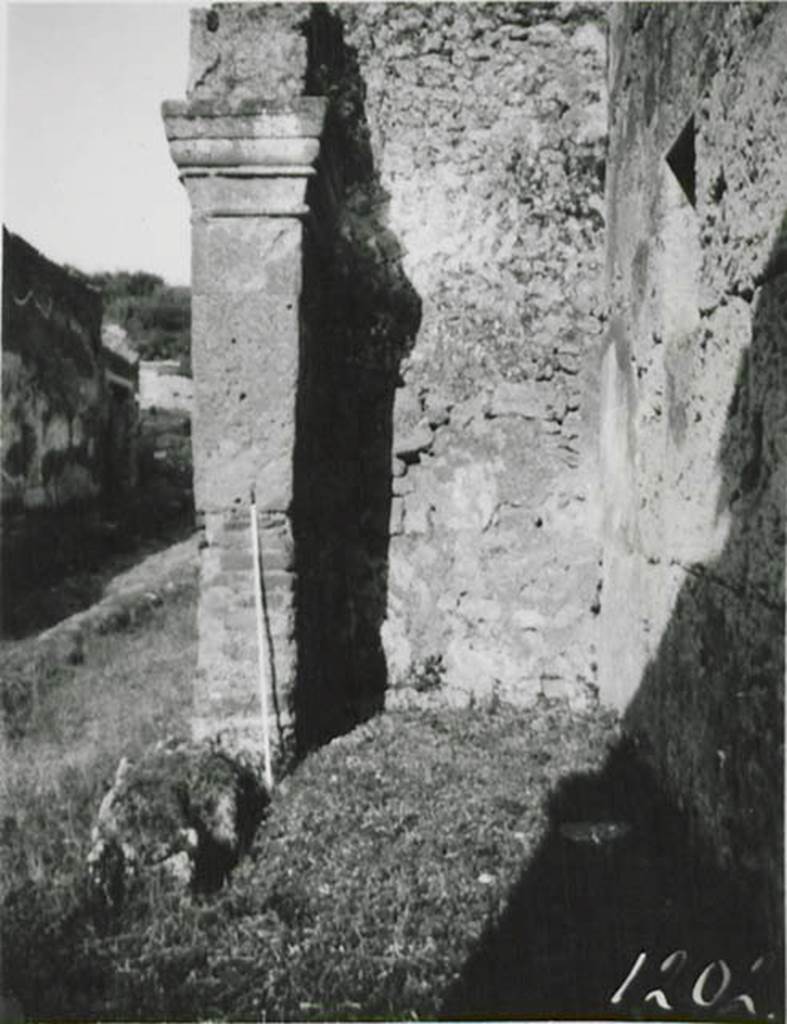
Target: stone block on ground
{"x": 185, "y": 812}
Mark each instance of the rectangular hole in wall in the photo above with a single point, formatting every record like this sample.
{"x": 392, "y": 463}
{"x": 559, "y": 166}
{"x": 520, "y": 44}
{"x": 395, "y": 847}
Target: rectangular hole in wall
{"x": 682, "y": 161}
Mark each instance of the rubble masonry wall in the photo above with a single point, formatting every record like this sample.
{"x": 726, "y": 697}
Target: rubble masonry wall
{"x": 53, "y": 412}
{"x": 486, "y": 129}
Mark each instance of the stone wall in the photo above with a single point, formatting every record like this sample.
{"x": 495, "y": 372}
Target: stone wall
{"x": 69, "y": 418}
{"x": 486, "y": 130}
{"x": 53, "y": 382}
{"x": 438, "y": 474}
{"x": 163, "y": 386}
{"x": 694, "y": 411}
{"x": 122, "y": 373}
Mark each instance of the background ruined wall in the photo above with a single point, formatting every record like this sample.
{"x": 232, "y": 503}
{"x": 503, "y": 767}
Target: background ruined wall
{"x": 52, "y": 382}
{"x": 54, "y": 413}
{"x": 69, "y": 422}
{"x": 486, "y": 128}
{"x": 163, "y": 386}
{"x": 694, "y": 412}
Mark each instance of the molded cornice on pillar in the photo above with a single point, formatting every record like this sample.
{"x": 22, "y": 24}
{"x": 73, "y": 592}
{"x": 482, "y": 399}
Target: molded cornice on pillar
{"x": 253, "y": 160}
{"x": 247, "y": 163}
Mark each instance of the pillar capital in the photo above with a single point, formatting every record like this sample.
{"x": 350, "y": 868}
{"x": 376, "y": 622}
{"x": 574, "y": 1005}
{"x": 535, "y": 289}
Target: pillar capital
{"x": 246, "y": 144}
{"x": 251, "y": 158}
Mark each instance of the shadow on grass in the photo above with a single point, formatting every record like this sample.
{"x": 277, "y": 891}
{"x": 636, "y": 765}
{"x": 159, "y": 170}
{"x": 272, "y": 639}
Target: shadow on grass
{"x": 616, "y": 877}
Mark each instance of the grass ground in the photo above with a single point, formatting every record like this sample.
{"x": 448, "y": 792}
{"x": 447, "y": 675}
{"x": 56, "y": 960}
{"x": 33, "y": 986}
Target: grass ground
{"x": 428, "y": 863}
{"x": 133, "y": 687}
{"x": 382, "y": 859}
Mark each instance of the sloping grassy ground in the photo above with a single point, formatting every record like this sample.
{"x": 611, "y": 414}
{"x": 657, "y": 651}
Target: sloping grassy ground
{"x": 58, "y": 755}
{"x": 384, "y": 856}
{"x": 430, "y": 863}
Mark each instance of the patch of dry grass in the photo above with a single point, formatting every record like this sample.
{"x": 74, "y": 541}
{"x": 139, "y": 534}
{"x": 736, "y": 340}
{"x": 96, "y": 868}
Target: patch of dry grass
{"x": 133, "y": 688}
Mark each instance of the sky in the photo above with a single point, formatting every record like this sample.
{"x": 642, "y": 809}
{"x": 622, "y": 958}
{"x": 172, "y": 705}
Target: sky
{"x": 87, "y": 177}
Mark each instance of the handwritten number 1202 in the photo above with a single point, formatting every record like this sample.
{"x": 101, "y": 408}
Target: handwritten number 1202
{"x": 710, "y": 986}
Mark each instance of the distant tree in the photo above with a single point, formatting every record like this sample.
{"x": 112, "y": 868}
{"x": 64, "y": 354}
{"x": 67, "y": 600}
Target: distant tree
{"x": 155, "y": 315}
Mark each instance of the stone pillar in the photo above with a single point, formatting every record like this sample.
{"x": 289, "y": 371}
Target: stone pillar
{"x": 245, "y": 163}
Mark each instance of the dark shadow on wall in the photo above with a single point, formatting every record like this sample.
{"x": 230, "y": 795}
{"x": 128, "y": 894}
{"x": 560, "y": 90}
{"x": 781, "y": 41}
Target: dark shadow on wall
{"x": 705, "y": 730}
{"x": 359, "y": 318}
{"x": 713, "y": 697}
